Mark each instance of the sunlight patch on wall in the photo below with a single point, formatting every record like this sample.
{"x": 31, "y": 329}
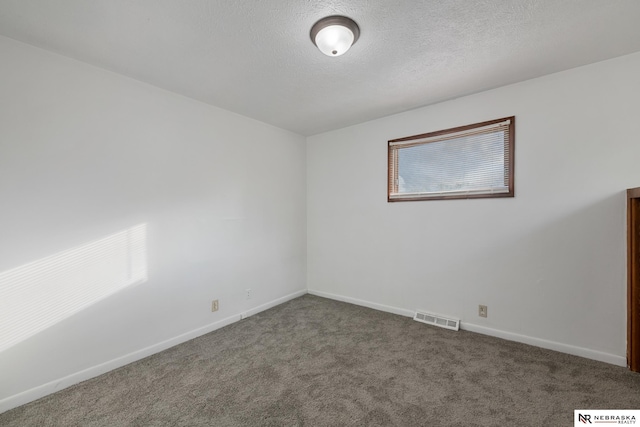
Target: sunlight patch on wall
{"x": 40, "y": 294}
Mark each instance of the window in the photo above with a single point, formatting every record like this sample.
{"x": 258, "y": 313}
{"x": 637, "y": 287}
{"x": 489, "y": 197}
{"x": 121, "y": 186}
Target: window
{"x": 466, "y": 162}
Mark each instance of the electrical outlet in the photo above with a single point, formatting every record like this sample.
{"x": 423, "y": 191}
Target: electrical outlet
{"x": 248, "y": 292}
{"x": 482, "y": 310}
{"x": 214, "y": 305}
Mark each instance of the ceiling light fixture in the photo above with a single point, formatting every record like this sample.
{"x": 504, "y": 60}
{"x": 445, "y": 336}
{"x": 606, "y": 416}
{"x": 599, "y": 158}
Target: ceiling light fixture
{"x": 334, "y": 35}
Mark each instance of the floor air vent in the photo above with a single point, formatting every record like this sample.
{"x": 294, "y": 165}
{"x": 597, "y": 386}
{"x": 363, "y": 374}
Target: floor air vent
{"x": 437, "y": 320}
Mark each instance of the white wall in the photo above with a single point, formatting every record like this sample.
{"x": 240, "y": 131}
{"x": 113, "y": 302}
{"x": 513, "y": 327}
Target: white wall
{"x": 85, "y": 153}
{"x": 549, "y": 263}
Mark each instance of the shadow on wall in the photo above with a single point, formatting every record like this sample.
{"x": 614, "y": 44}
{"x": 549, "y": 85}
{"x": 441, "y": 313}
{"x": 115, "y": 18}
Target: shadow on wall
{"x": 572, "y": 265}
{"x": 36, "y": 296}
{"x": 550, "y": 264}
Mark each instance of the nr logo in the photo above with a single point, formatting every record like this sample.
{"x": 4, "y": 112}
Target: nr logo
{"x": 584, "y": 418}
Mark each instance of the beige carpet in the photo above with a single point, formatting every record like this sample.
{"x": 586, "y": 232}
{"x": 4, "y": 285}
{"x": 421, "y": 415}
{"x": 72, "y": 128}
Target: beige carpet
{"x": 317, "y": 362}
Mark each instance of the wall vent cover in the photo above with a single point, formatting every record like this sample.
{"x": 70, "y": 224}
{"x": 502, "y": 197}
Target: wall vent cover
{"x": 437, "y": 320}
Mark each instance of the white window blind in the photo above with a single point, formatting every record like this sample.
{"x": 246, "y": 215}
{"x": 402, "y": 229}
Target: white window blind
{"x": 465, "y": 162}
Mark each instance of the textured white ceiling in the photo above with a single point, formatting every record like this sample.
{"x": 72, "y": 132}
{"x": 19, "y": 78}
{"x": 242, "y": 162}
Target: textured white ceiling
{"x": 256, "y": 58}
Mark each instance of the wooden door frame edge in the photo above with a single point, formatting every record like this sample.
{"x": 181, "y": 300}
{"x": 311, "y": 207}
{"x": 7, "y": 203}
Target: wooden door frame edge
{"x": 633, "y": 360}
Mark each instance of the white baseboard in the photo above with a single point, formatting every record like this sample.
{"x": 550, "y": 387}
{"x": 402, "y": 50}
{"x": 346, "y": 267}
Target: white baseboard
{"x": 363, "y": 303}
{"x": 273, "y": 303}
{"x": 525, "y": 339}
{"x": 550, "y": 345}
{"x": 77, "y": 377}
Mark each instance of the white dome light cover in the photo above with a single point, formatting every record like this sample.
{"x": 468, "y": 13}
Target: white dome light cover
{"x": 334, "y": 35}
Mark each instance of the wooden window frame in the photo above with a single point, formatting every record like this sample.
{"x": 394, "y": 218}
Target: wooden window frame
{"x": 392, "y": 162}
